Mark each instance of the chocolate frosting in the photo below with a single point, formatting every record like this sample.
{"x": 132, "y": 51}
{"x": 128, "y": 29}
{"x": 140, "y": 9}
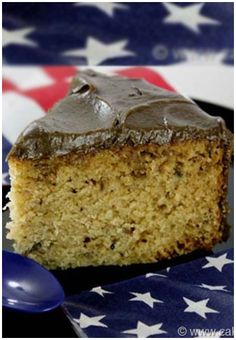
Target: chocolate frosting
{"x": 102, "y": 111}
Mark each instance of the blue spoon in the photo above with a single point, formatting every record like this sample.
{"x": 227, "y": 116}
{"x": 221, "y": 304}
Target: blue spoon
{"x": 27, "y": 286}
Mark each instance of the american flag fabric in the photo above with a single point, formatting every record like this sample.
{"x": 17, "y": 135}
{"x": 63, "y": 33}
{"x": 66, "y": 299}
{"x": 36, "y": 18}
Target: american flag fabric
{"x": 193, "y": 299}
{"x": 117, "y": 33}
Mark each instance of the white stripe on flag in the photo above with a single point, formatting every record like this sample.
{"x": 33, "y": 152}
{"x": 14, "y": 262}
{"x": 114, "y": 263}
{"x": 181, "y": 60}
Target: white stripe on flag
{"x": 18, "y": 112}
{"x": 27, "y": 78}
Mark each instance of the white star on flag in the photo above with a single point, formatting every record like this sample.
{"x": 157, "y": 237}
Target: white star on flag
{"x": 86, "y": 321}
{"x": 154, "y": 274}
{"x": 145, "y": 298}
{"x": 96, "y": 51}
{"x": 217, "y": 262}
{"x": 144, "y": 331}
{"x": 188, "y": 16}
{"x": 198, "y": 307}
{"x": 222, "y": 288}
{"x": 107, "y": 7}
{"x": 17, "y": 37}
{"x": 99, "y": 290}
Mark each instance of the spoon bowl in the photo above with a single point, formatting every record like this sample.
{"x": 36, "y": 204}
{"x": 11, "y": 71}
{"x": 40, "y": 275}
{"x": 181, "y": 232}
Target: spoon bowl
{"x": 28, "y": 286}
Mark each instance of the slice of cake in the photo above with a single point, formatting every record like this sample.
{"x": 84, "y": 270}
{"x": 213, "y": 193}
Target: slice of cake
{"x": 118, "y": 172}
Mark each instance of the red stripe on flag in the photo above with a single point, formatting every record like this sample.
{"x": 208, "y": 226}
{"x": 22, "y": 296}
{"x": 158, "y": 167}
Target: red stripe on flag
{"x": 59, "y": 73}
{"x": 47, "y": 96}
{"x": 8, "y": 86}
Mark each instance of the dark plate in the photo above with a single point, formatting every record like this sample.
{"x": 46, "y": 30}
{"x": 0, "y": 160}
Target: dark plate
{"x": 55, "y": 323}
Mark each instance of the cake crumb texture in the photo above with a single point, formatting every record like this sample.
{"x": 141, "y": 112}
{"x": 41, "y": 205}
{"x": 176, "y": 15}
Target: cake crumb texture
{"x": 120, "y": 205}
